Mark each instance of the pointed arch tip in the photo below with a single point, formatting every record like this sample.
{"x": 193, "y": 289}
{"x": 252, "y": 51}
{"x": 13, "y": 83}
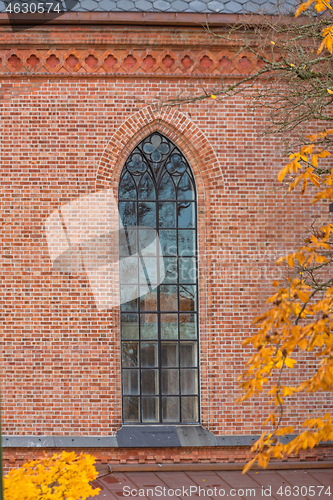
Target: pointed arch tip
{"x": 170, "y": 122}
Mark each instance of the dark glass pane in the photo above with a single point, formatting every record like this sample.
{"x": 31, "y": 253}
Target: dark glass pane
{"x": 170, "y": 409}
{"x": 149, "y": 381}
{"x": 190, "y": 410}
{"x": 147, "y": 213}
{"x": 185, "y": 189}
{"x": 167, "y": 214}
{"x": 131, "y": 407}
{"x": 189, "y": 381}
{"x": 187, "y": 326}
{"x": 187, "y": 270}
{"x": 127, "y": 213}
{"x": 128, "y": 242}
{"x": 150, "y": 410}
{"x": 176, "y": 164}
{"x": 168, "y": 298}
{"x": 169, "y": 326}
{"x": 188, "y": 354}
{"x": 157, "y": 270}
{"x": 170, "y": 269}
{"x": 130, "y": 382}
{"x": 148, "y": 239}
{"x": 136, "y": 164}
{"x": 148, "y": 271}
{"x": 169, "y": 353}
{"x": 186, "y": 242}
{"x": 129, "y": 326}
{"x": 166, "y": 190}
{"x": 188, "y": 298}
{"x": 127, "y": 188}
{"x": 128, "y": 270}
{"x": 148, "y": 301}
{"x": 148, "y": 324}
{"x": 146, "y": 189}
{"x": 129, "y": 354}
{"x": 156, "y": 147}
{"x": 186, "y": 215}
{"x": 149, "y": 354}
{"x": 168, "y": 242}
{"x": 170, "y": 382}
{"x": 128, "y": 298}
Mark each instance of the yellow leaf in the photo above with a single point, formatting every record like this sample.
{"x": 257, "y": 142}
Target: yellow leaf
{"x": 290, "y": 362}
{"x": 330, "y": 91}
{"x": 213, "y": 96}
{"x": 302, "y": 295}
{"x": 283, "y": 173}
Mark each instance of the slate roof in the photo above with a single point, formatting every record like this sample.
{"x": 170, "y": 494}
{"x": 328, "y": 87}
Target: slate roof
{"x": 193, "y": 6}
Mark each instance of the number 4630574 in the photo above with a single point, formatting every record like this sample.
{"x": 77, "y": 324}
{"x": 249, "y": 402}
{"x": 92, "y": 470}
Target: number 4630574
{"x": 304, "y": 491}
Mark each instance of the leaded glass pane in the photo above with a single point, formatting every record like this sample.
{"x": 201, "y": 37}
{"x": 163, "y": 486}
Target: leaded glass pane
{"x": 146, "y": 189}
{"x": 158, "y": 281}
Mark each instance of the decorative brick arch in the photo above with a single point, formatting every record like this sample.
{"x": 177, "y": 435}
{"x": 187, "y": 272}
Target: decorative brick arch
{"x": 169, "y": 121}
{"x": 204, "y": 164}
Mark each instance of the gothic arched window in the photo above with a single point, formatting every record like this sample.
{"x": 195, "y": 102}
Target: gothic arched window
{"x": 158, "y": 285}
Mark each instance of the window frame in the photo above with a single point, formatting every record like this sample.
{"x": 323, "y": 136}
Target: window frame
{"x": 156, "y": 174}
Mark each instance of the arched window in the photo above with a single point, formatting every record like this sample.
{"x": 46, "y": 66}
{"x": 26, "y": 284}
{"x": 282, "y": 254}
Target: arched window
{"x": 158, "y": 285}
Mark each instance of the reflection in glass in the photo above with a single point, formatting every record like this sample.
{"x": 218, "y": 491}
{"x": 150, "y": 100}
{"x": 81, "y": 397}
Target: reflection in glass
{"x": 127, "y": 190}
{"x": 167, "y": 214}
{"x": 160, "y": 381}
{"x": 185, "y": 189}
{"x": 187, "y": 297}
{"x": 170, "y": 269}
{"x": 149, "y": 381}
{"x": 189, "y": 381}
{"x": 186, "y": 215}
{"x": 129, "y": 326}
{"x": 128, "y": 298}
{"x": 146, "y": 189}
{"x": 128, "y": 242}
{"x": 127, "y": 213}
{"x": 169, "y": 353}
{"x": 187, "y": 326}
{"x": 148, "y": 302}
{"x": 148, "y": 324}
{"x": 150, "y": 409}
{"x": 168, "y": 298}
{"x": 190, "y": 409}
{"x": 166, "y": 189}
{"x": 186, "y": 242}
{"x": 170, "y": 409}
{"x": 188, "y": 354}
{"x": 130, "y": 382}
{"x": 149, "y": 354}
{"x": 131, "y": 407}
{"x": 129, "y": 354}
{"x": 147, "y": 241}
{"x": 187, "y": 270}
{"x": 148, "y": 270}
{"x": 170, "y": 382}
{"x": 147, "y": 213}
{"x": 169, "y": 326}
{"x": 168, "y": 242}
{"x": 128, "y": 270}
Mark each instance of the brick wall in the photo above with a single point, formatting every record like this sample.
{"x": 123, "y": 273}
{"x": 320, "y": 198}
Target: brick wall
{"x": 74, "y": 102}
